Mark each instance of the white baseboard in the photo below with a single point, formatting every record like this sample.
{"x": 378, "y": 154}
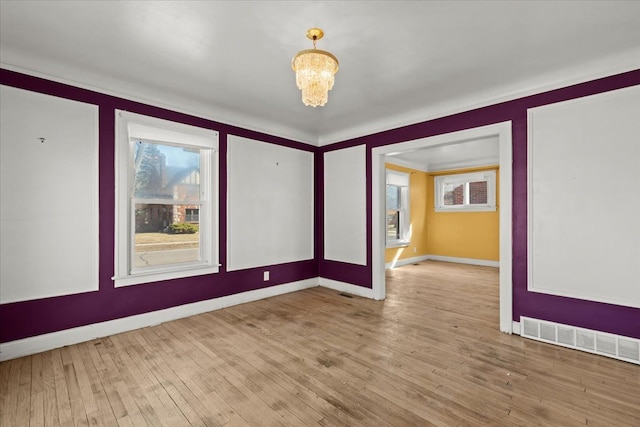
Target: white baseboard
{"x": 472, "y": 261}
{"x": 37, "y": 344}
{"x": 405, "y": 261}
{"x": 515, "y": 328}
{"x": 347, "y": 288}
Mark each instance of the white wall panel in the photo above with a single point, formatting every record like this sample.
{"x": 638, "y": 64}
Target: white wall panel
{"x": 270, "y": 204}
{"x": 584, "y": 198}
{"x": 345, "y": 213}
{"x": 49, "y": 196}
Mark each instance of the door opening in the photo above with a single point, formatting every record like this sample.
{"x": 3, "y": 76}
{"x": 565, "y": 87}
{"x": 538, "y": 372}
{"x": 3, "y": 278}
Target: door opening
{"x": 500, "y": 130}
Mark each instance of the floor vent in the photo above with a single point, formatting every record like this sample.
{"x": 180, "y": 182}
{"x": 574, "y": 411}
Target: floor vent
{"x": 616, "y": 346}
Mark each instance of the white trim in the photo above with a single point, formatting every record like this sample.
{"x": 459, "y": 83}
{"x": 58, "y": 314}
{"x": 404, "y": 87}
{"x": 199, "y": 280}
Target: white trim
{"x": 378, "y": 222}
{"x": 405, "y": 261}
{"x": 131, "y": 125}
{"x": 413, "y": 260}
{"x": 466, "y": 208}
{"x": 516, "y": 327}
{"x": 479, "y": 162}
{"x": 347, "y": 288}
{"x": 37, "y": 344}
{"x": 503, "y": 132}
{"x": 405, "y": 164}
{"x": 166, "y": 132}
{"x": 506, "y": 228}
{"x": 489, "y": 176}
{"x": 398, "y": 178}
{"x": 402, "y": 180}
{"x": 398, "y": 244}
{"x": 472, "y": 261}
{"x": 169, "y": 273}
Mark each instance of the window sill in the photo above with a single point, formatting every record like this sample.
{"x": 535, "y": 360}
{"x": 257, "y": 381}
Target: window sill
{"x": 468, "y": 209}
{"x": 142, "y": 278}
{"x": 398, "y": 244}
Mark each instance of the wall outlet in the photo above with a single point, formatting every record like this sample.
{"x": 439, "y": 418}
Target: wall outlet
{"x": 415, "y": 250}
{"x": 266, "y": 276}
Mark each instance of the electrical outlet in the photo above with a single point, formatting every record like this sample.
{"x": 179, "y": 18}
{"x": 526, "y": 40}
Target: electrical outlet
{"x": 266, "y": 276}
{"x": 415, "y": 250}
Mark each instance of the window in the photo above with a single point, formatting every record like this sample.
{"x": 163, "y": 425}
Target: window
{"x": 166, "y": 200}
{"x": 398, "y": 221}
{"x": 191, "y": 215}
{"x": 466, "y": 192}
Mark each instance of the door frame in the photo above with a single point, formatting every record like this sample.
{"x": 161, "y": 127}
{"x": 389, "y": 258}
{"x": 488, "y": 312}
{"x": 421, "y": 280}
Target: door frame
{"x": 501, "y": 130}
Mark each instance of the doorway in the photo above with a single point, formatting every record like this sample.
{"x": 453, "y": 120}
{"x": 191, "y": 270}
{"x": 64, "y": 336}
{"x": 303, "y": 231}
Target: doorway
{"x": 500, "y": 130}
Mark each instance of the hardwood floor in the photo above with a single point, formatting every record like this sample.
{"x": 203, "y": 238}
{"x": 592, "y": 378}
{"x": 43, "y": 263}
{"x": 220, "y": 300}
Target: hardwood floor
{"x": 430, "y": 354}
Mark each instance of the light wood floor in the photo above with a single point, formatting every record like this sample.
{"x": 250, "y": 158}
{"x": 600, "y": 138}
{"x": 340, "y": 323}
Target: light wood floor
{"x": 431, "y": 354}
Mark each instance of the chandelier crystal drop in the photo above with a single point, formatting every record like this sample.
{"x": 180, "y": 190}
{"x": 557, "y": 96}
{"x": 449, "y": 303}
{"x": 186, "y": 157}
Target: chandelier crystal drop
{"x": 315, "y": 71}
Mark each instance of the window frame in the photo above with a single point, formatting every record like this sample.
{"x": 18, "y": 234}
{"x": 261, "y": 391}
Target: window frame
{"x": 188, "y": 217}
{"x": 402, "y": 180}
{"x": 466, "y": 178}
{"x": 159, "y": 131}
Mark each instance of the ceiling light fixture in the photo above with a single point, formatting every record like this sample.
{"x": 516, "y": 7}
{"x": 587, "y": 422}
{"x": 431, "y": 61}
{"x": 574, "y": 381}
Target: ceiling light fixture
{"x": 315, "y": 70}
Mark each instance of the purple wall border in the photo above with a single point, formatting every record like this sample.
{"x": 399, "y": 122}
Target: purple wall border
{"x": 35, "y": 317}
{"x": 609, "y": 318}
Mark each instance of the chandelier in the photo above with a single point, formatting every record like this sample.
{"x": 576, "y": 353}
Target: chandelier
{"x": 315, "y": 70}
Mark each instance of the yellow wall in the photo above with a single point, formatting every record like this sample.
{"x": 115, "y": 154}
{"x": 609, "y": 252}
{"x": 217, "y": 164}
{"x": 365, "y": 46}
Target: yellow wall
{"x": 453, "y": 234}
{"x": 418, "y": 212}
{"x": 463, "y": 234}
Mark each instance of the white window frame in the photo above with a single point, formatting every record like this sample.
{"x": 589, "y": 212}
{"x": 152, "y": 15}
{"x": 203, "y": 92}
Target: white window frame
{"x": 401, "y": 180}
{"x": 129, "y": 128}
{"x": 466, "y": 178}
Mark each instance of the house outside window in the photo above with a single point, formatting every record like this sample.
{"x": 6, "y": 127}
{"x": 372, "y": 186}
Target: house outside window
{"x": 167, "y": 207}
{"x": 466, "y": 192}
{"x": 398, "y": 214}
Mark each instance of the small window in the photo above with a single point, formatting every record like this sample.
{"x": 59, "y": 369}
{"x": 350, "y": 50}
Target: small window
{"x": 166, "y": 187}
{"x": 466, "y": 192}
{"x": 398, "y": 221}
{"x": 192, "y": 215}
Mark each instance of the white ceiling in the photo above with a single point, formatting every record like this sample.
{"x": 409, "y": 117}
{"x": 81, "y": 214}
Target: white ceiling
{"x": 458, "y": 155}
{"x": 401, "y": 62}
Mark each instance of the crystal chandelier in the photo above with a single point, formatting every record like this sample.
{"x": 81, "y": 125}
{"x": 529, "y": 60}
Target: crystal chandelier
{"x": 315, "y": 70}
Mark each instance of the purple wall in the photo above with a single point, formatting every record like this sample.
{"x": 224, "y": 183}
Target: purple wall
{"x": 29, "y": 318}
{"x": 587, "y": 314}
